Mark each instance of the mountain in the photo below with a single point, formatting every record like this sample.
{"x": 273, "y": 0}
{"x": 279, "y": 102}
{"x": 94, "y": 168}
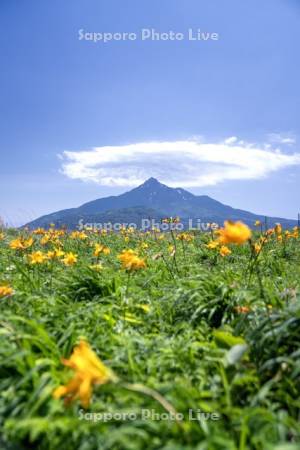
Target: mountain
{"x": 152, "y": 200}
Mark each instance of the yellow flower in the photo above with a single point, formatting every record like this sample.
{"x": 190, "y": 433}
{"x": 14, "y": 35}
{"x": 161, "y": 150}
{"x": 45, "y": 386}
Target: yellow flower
{"x": 224, "y": 251}
{"x": 45, "y": 239}
{"x": 213, "y": 244}
{"x": 130, "y": 261}
{"x": 89, "y": 370}
{"x": 70, "y": 259}
{"x": 257, "y": 223}
{"x": 59, "y": 253}
{"x": 99, "y": 248}
{"x": 56, "y": 253}
{"x": 185, "y": 237}
{"x": 5, "y": 291}
{"x": 21, "y": 243}
{"x": 28, "y": 243}
{"x": 2, "y": 236}
{"x": 234, "y": 233}
{"x": 51, "y": 254}
{"x": 127, "y": 253}
{"x": 106, "y": 250}
{"x": 155, "y": 230}
{"x": 37, "y": 258}
{"x": 270, "y": 231}
{"x": 263, "y": 239}
{"x": 278, "y": 228}
{"x": 144, "y": 245}
{"x": 78, "y": 235}
{"x": 39, "y": 231}
{"x": 257, "y": 248}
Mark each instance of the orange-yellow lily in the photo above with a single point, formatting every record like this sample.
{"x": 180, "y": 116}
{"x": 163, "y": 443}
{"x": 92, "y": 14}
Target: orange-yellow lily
{"x": 99, "y": 248}
{"x": 130, "y": 261}
{"x": 225, "y": 251}
{"x": 37, "y": 258}
{"x": 70, "y": 259}
{"x": 21, "y": 243}
{"x": 89, "y": 371}
{"x": 5, "y": 291}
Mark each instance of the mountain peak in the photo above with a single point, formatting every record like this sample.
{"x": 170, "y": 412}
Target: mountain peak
{"x": 161, "y": 200}
{"x": 151, "y": 182}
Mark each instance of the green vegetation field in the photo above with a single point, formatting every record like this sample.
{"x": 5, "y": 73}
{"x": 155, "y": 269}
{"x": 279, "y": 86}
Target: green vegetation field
{"x": 184, "y": 329}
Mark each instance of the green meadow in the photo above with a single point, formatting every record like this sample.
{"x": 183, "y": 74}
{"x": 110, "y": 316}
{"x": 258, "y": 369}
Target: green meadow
{"x": 204, "y": 348}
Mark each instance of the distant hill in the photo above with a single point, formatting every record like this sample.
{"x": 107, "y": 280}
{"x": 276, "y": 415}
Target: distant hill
{"x": 152, "y": 200}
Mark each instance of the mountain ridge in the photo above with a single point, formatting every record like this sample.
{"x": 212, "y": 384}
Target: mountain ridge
{"x": 155, "y": 199}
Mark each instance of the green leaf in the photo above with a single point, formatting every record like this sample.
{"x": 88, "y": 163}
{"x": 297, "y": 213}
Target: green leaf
{"x": 226, "y": 339}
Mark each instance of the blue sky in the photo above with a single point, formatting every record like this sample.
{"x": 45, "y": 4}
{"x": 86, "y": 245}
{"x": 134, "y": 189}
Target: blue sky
{"x": 72, "y": 109}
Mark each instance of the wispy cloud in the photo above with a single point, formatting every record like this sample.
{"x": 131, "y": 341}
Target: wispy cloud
{"x": 179, "y": 163}
{"x": 279, "y": 138}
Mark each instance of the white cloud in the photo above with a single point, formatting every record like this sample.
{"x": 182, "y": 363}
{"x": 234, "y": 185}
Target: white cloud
{"x": 231, "y": 140}
{"x": 179, "y": 163}
{"x": 284, "y": 139}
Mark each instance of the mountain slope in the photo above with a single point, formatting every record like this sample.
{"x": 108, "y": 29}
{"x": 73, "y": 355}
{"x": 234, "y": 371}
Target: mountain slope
{"x": 151, "y": 200}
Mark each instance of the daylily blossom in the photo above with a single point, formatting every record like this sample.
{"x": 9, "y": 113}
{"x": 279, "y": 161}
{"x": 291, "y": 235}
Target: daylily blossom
{"x": 185, "y": 237}
{"x": 21, "y": 243}
{"x": 224, "y": 251}
{"x": 89, "y": 371}
{"x": 78, "y": 235}
{"x": 257, "y": 248}
{"x": 39, "y": 231}
{"x": 213, "y": 244}
{"x": 5, "y": 291}
{"x": 37, "y": 258}
{"x": 69, "y": 259}
{"x": 130, "y": 261}
{"x": 99, "y": 248}
{"x": 278, "y": 228}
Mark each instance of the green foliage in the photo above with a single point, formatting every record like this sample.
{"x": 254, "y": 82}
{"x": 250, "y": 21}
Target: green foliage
{"x": 176, "y": 327}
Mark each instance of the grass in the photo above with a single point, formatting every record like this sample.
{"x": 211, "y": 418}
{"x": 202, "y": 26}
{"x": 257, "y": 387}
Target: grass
{"x": 210, "y": 334}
